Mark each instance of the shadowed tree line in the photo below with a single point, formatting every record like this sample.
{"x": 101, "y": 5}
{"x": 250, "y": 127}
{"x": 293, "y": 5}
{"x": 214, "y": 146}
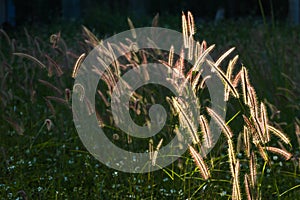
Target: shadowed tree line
{"x": 45, "y": 11}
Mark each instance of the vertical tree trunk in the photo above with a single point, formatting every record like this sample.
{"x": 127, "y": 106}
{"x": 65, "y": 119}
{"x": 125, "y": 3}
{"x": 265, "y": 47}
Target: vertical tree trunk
{"x": 294, "y": 11}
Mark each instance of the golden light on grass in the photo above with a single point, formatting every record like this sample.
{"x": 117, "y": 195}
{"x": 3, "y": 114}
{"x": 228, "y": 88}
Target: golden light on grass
{"x": 204, "y": 171}
{"x": 155, "y": 153}
{"x": 229, "y": 70}
{"x": 285, "y": 154}
{"x": 224, "y": 78}
{"x": 279, "y": 134}
{"x": 206, "y": 131}
{"x": 236, "y": 191}
{"x": 246, "y": 137}
{"x": 264, "y": 122}
{"x": 77, "y": 65}
{"x": 184, "y": 30}
{"x": 253, "y": 173}
{"x": 186, "y": 120}
{"x": 226, "y": 130}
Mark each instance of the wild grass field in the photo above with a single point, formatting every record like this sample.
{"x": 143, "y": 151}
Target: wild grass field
{"x": 257, "y": 157}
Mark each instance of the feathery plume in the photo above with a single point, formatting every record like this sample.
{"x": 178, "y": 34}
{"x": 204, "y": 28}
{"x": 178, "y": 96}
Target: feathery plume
{"x": 228, "y": 75}
{"x": 77, "y": 65}
{"x": 279, "y": 134}
{"x": 224, "y": 78}
{"x": 206, "y": 131}
{"x": 184, "y": 30}
{"x": 202, "y": 84}
{"x": 252, "y": 166}
{"x": 185, "y": 119}
{"x": 197, "y": 50}
{"x": 132, "y": 29}
{"x": 31, "y": 58}
{"x": 155, "y": 20}
{"x": 226, "y": 130}
{"x": 231, "y": 153}
{"x": 191, "y": 47}
{"x": 247, "y": 141}
{"x": 263, "y": 153}
{"x": 151, "y": 149}
{"x": 46, "y": 83}
{"x": 200, "y": 163}
{"x": 237, "y": 79}
{"x": 252, "y": 101}
{"x": 171, "y": 56}
{"x": 191, "y": 23}
{"x": 155, "y": 153}
{"x": 202, "y": 58}
{"x": 264, "y": 122}
{"x": 245, "y": 85}
{"x": 48, "y": 124}
{"x": 236, "y": 193}
{"x": 259, "y": 130}
{"x": 281, "y": 152}
{"x": 247, "y": 187}
{"x": 224, "y": 55}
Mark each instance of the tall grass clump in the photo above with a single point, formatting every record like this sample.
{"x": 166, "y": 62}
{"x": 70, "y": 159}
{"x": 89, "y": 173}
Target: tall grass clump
{"x": 43, "y": 157}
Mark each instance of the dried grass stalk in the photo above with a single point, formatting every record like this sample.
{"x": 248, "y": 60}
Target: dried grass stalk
{"x": 31, "y": 58}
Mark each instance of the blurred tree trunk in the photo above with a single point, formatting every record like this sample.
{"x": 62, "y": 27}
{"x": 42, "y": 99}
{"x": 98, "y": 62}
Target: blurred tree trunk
{"x": 294, "y": 11}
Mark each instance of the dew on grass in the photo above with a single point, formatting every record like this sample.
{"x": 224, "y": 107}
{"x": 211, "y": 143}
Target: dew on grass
{"x": 9, "y": 195}
{"x": 223, "y": 193}
{"x": 115, "y": 173}
{"x": 70, "y": 162}
{"x": 275, "y": 157}
{"x": 10, "y": 168}
{"x": 39, "y": 189}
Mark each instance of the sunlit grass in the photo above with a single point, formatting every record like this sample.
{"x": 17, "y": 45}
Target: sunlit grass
{"x": 41, "y": 163}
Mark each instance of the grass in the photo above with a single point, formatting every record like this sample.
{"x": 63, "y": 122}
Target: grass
{"x": 43, "y": 162}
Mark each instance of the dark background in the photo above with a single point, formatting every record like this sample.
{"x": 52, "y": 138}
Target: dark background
{"x": 45, "y": 11}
